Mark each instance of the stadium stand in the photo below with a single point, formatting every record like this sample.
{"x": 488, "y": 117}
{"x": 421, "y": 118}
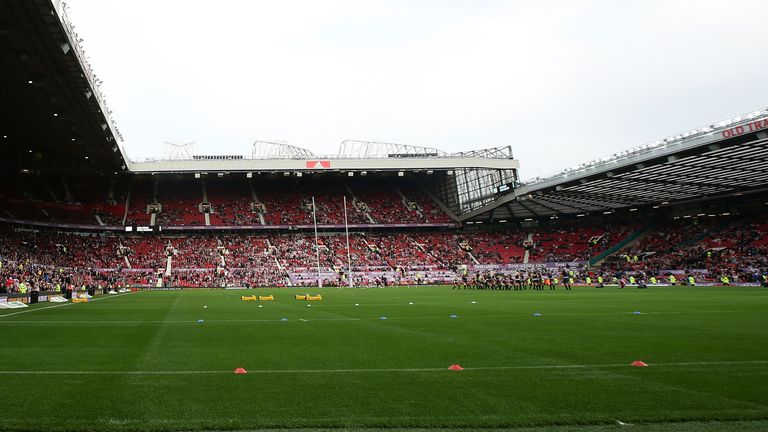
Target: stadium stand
{"x": 177, "y": 202}
{"x": 709, "y": 247}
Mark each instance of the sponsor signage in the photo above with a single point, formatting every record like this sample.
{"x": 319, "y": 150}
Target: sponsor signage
{"x": 318, "y": 164}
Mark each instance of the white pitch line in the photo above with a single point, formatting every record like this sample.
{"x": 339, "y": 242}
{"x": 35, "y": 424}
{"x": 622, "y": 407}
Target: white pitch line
{"x": 55, "y": 306}
{"x": 442, "y": 369}
{"x": 518, "y": 315}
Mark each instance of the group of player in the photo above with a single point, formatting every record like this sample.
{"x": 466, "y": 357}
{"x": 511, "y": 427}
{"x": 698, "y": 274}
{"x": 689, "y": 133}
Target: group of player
{"x": 517, "y": 281}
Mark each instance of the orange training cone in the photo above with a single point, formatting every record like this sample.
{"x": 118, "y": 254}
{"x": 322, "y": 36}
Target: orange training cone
{"x": 240, "y": 371}
{"x": 455, "y": 367}
{"x": 638, "y": 363}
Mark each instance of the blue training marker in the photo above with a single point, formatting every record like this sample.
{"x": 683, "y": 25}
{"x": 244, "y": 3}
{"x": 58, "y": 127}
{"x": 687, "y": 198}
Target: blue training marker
{"x": 537, "y": 314}
{"x": 637, "y": 312}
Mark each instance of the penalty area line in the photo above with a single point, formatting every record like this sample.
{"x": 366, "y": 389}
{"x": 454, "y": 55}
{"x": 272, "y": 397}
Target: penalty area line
{"x": 291, "y": 371}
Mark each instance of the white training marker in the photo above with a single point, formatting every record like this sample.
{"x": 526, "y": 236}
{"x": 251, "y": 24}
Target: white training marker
{"x": 357, "y": 304}
{"x": 410, "y": 303}
{"x": 259, "y": 305}
{"x": 205, "y": 307}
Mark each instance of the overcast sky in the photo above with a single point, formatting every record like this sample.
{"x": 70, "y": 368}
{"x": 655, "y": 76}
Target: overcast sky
{"x": 561, "y": 82}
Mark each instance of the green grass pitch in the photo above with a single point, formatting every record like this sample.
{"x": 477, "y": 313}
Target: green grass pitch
{"x": 142, "y": 361}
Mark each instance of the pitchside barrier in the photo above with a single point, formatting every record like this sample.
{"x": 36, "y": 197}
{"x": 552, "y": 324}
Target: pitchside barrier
{"x": 33, "y": 297}
{"x": 30, "y": 297}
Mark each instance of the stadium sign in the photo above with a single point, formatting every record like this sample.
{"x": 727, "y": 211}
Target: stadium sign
{"x": 318, "y": 164}
{"x": 752, "y": 126}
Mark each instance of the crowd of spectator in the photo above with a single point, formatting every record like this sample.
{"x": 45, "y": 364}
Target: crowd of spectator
{"x": 734, "y": 247}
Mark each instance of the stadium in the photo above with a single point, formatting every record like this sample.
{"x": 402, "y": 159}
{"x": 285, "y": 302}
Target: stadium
{"x": 387, "y": 286}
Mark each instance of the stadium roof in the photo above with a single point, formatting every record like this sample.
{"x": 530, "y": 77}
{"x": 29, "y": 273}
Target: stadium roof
{"x": 53, "y": 115}
{"x": 729, "y": 157}
{"x": 352, "y": 156}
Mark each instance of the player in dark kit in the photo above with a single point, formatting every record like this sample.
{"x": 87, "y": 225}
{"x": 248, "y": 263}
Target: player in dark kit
{"x": 518, "y": 281}
{"x": 537, "y": 281}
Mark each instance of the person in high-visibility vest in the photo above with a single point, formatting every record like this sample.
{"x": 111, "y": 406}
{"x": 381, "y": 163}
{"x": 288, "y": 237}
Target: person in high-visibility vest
{"x": 555, "y": 281}
{"x": 569, "y": 286}
{"x": 600, "y": 281}
{"x": 589, "y": 280}
{"x": 22, "y": 288}
{"x": 725, "y": 280}
{"x": 672, "y": 279}
{"x": 58, "y": 287}
{"x": 653, "y": 280}
{"x": 631, "y": 280}
{"x": 691, "y": 281}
